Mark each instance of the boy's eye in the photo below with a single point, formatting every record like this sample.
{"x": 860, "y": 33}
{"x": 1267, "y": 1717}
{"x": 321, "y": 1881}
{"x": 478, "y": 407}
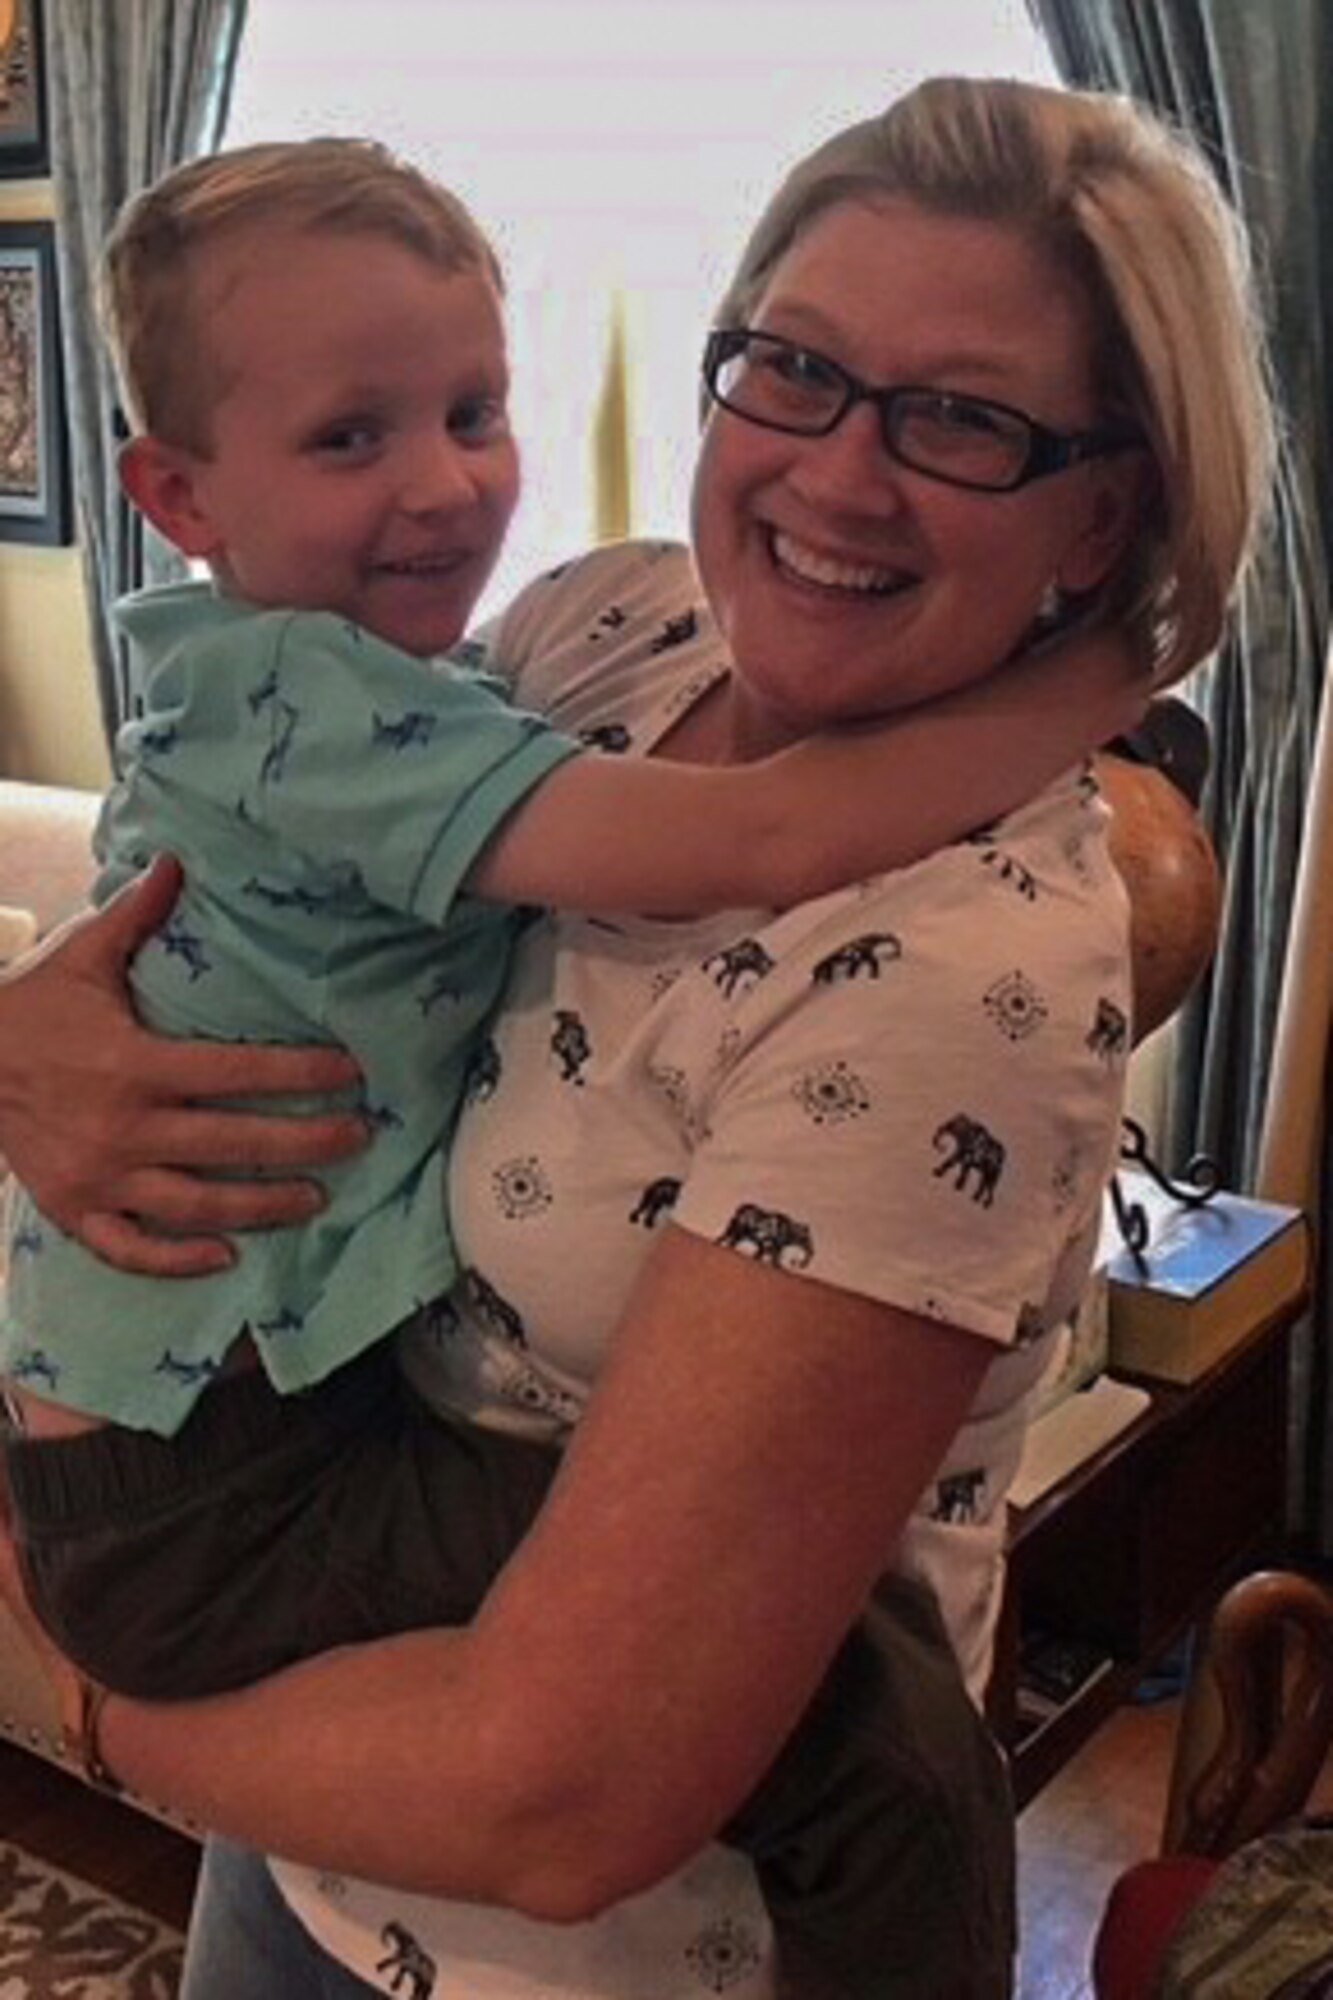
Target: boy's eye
{"x": 348, "y": 440}
{"x": 479, "y": 419}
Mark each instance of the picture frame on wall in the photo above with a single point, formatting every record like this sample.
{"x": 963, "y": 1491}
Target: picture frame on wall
{"x": 23, "y": 135}
{"x": 34, "y": 455}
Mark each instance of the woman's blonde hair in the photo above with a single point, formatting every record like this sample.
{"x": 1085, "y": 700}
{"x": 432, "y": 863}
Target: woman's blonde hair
{"x": 1133, "y": 211}
{"x": 156, "y": 253}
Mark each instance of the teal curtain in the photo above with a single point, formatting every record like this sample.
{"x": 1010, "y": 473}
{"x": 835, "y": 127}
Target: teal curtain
{"x": 136, "y": 86}
{"x": 1252, "y": 80}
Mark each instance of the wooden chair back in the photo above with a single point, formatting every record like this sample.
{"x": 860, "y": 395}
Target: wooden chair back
{"x": 1257, "y": 1724}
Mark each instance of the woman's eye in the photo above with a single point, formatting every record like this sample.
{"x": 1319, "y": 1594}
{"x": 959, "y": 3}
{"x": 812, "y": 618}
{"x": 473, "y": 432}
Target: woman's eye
{"x": 797, "y": 368}
{"x": 969, "y": 419}
{"x": 479, "y": 419}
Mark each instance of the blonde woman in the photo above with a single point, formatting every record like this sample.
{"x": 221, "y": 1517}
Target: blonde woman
{"x": 788, "y": 1233}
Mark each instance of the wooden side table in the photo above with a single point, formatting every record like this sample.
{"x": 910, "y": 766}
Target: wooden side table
{"x": 1128, "y": 1551}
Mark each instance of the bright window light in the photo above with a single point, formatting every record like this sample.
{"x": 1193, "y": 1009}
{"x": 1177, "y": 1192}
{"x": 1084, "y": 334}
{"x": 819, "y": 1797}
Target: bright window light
{"x": 608, "y": 147}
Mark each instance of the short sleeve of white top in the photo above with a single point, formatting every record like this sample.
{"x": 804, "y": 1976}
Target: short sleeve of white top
{"x": 909, "y": 1089}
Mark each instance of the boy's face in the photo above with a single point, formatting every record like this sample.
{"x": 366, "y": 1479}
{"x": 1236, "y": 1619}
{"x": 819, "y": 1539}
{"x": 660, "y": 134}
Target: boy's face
{"x": 361, "y": 460}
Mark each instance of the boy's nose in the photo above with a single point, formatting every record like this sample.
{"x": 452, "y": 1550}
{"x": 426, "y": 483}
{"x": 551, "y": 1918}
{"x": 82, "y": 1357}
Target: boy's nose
{"x": 435, "y": 474}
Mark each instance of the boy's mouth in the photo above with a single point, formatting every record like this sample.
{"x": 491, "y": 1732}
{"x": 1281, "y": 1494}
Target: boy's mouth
{"x": 859, "y": 579}
{"x": 441, "y": 563}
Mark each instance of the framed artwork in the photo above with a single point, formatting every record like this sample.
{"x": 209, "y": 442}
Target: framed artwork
{"x": 34, "y": 459}
{"x": 23, "y": 150}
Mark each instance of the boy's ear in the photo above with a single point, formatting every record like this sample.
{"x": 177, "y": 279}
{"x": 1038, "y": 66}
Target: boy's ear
{"x": 161, "y": 480}
{"x": 1121, "y": 488}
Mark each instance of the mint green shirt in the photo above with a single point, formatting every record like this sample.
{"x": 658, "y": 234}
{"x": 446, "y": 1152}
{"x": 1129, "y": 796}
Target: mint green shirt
{"x": 326, "y": 795}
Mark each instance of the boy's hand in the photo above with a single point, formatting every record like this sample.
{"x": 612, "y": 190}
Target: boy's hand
{"x": 1169, "y": 866}
{"x": 107, "y": 1124}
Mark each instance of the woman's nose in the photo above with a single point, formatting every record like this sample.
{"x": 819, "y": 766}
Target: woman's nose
{"x": 850, "y": 465}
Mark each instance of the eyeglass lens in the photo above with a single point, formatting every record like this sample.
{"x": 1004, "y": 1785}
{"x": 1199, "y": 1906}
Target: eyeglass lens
{"x": 779, "y": 384}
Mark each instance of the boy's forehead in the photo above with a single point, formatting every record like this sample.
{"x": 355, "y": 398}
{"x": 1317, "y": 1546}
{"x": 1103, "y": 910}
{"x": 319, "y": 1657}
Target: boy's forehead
{"x": 259, "y": 278}
{"x": 281, "y": 256}
{"x": 319, "y": 309}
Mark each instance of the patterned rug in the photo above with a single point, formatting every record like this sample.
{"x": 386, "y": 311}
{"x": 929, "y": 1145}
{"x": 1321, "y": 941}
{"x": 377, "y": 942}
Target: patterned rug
{"x": 62, "y": 1939}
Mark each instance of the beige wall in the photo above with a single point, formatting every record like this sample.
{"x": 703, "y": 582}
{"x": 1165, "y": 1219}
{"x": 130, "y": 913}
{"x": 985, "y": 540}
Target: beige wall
{"x": 50, "y": 724}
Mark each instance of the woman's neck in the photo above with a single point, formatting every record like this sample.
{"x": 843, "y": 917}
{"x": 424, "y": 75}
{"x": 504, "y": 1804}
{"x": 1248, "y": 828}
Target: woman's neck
{"x": 722, "y": 727}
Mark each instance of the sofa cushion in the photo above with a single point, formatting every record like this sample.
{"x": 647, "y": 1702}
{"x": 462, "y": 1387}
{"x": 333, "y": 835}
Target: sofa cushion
{"x": 46, "y": 859}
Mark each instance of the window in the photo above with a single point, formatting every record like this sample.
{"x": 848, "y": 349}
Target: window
{"x": 612, "y": 149}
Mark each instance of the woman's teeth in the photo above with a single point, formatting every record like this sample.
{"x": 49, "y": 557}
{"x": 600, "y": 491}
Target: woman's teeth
{"x": 812, "y": 567}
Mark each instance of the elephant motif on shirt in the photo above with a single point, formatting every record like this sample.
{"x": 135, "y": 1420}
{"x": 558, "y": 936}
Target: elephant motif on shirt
{"x": 1108, "y": 1037}
{"x": 744, "y": 960}
{"x": 971, "y": 1154}
{"x": 656, "y": 1200}
{"x": 866, "y": 953}
{"x": 570, "y": 1044}
{"x": 769, "y": 1237}
{"x": 495, "y": 1309}
{"x": 409, "y": 1968}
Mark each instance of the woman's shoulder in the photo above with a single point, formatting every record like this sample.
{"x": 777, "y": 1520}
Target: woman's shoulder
{"x": 614, "y": 634}
{"x": 591, "y": 594}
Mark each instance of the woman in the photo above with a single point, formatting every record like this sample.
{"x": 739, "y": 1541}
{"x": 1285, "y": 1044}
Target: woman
{"x": 836, "y": 1176}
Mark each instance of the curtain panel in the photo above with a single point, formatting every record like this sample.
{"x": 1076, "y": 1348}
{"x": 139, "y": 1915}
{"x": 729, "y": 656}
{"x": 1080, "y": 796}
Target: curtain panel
{"x": 136, "y": 87}
{"x": 1253, "y": 83}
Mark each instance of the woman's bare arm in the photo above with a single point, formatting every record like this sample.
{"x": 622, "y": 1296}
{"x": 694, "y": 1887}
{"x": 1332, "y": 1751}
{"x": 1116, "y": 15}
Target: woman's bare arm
{"x": 746, "y": 1466}
{"x": 104, "y": 1121}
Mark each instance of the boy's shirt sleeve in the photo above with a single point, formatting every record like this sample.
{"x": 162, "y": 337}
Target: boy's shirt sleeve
{"x": 381, "y": 769}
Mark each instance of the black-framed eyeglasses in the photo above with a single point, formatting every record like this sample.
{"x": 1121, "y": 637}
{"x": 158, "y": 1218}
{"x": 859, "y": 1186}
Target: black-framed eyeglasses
{"x": 963, "y": 440}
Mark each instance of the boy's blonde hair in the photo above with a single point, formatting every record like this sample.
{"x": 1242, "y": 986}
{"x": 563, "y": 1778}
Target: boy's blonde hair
{"x": 1133, "y": 211}
{"x": 170, "y": 379}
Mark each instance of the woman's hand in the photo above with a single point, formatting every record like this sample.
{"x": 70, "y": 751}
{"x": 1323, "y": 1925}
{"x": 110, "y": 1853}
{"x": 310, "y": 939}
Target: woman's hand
{"x": 107, "y": 1124}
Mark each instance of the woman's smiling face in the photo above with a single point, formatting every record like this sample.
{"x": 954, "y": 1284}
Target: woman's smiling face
{"x": 846, "y": 584}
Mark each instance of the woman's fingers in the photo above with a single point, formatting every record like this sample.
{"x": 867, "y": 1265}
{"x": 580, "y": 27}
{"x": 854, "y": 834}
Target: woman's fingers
{"x": 109, "y": 1124}
{"x": 125, "y": 1243}
{"x": 130, "y": 917}
{"x": 196, "y": 1070}
{"x": 199, "y": 1216}
{"x": 183, "y": 1203}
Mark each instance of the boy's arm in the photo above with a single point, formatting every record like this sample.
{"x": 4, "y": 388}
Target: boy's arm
{"x": 666, "y": 839}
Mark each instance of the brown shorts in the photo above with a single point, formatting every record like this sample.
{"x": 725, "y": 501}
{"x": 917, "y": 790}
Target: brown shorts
{"x": 266, "y": 1529}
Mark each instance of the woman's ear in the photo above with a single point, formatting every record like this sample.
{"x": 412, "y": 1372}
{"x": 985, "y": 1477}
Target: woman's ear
{"x": 161, "y": 480}
{"x": 1112, "y": 512}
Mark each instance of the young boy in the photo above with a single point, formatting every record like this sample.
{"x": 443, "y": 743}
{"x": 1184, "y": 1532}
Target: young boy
{"x": 311, "y": 342}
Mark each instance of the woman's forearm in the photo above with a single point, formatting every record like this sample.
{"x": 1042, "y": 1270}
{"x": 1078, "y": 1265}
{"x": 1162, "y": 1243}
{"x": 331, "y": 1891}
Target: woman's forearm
{"x": 603, "y": 1716}
{"x": 380, "y": 1761}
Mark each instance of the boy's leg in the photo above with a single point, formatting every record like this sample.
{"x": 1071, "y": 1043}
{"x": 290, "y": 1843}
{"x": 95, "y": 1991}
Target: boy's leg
{"x": 884, "y": 1832}
{"x": 424, "y": 1514}
{"x": 267, "y": 1529}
